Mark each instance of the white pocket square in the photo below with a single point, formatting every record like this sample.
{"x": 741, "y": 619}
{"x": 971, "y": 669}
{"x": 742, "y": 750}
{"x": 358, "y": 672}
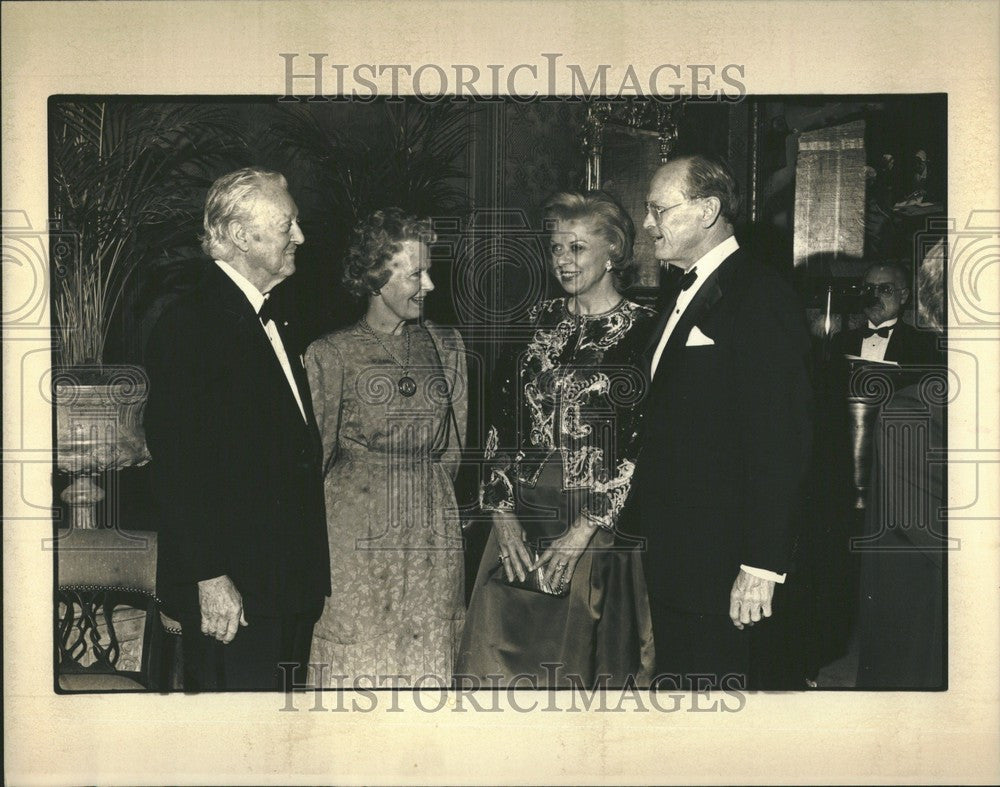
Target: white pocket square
{"x": 697, "y": 339}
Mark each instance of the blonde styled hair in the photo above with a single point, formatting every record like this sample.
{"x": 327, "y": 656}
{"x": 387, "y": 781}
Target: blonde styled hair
{"x": 610, "y": 220}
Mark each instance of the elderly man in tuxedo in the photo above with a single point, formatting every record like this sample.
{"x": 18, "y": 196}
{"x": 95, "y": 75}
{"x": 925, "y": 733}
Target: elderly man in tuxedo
{"x": 885, "y": 337}
{"x": 243, "y": 561}
{"x": 725, "y": 435}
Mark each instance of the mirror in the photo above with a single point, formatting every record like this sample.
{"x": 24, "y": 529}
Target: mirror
{"x": 625, "y": 140}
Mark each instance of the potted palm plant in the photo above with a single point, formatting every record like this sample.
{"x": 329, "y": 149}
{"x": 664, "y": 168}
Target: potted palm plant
{"x": 127, "y": 181}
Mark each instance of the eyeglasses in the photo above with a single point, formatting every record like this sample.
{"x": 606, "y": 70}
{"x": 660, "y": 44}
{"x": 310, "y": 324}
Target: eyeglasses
{"x": 657, "y": 212}
{"x": 879, "y": 289}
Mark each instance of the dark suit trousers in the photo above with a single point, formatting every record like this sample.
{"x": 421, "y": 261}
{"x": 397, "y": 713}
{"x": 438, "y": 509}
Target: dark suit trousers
{"x": 251, "y": 661}
{"x": 696, "y": 651}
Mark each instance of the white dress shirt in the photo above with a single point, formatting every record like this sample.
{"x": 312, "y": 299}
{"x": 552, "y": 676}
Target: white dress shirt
{"x": 257, "y": 298}
{"x": 705, "y": 267}
{"x": 873, "y": 347}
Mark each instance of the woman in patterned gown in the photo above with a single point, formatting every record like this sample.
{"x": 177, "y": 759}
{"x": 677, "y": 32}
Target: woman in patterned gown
{"x": 561, "y": 450}
{"x": 389, "y": 395}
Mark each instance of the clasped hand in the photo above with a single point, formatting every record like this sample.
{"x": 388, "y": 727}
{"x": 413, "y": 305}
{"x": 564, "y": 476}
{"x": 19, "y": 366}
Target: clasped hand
{"x": 221, "y": 608}
{"x": 558, "y": 561}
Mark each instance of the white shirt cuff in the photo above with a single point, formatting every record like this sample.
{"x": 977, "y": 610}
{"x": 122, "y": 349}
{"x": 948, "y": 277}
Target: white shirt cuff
{"x": 763, "y": 573}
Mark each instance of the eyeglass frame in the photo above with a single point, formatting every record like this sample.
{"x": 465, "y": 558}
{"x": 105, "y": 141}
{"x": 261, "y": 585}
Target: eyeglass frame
{"x": 880, "y": 288}
{"x": 657, "y": 212}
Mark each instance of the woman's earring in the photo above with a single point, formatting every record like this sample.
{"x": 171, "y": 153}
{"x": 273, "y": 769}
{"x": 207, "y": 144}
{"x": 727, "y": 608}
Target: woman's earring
{"x": 608, "y": 266}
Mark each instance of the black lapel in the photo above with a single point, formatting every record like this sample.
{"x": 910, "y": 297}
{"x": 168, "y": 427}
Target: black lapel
{"x": 669, "y": 292}
{"x": 657, "y": 333}
{"x": 703, "y": 302}
{"x": 897, "y": 347}
{"x": 299, "y": 373}
{"x": 234, "y": 302}
{"x": 700, "y": 305}
{"x": 249, "y": 328}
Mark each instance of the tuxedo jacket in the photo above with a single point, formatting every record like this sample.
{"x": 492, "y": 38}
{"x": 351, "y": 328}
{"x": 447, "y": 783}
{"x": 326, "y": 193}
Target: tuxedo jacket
{"x": 725, "y": 440}
{"x": 236, "y": 469}
{"x": 907, "y": 345}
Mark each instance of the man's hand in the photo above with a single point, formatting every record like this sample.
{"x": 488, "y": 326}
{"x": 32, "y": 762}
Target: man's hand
{"x": 749, "y": 599}
{"x": 221, "y": 608}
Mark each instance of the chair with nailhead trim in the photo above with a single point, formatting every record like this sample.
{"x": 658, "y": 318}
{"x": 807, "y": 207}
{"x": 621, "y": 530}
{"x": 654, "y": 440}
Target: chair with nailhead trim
{"x": 106, "y": 595}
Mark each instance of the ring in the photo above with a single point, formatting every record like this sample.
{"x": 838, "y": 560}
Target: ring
{"x": 503, "y": 558}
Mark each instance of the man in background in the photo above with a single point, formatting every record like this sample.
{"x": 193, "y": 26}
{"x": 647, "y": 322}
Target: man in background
{"x": 904, "y": 546}
{"x": 885, "y": 337}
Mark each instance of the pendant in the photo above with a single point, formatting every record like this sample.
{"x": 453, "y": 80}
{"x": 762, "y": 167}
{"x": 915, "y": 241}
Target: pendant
{"x": 407, "y": 386}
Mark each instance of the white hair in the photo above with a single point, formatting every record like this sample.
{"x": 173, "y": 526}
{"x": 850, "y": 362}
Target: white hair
{"x": 230, "y": 198}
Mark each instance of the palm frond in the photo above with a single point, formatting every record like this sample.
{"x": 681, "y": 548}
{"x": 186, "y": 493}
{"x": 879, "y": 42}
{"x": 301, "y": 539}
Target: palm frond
{"x": 411, "y": 159}
{"x": 125, "y": 177}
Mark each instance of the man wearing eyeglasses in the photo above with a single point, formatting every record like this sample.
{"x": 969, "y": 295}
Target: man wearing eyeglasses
{"x": 886, "y": 337}
{"x": 726, "y": 433}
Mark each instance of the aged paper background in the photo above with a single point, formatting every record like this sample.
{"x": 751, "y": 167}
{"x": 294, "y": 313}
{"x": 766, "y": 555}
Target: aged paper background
{"x": 232, "y": 48}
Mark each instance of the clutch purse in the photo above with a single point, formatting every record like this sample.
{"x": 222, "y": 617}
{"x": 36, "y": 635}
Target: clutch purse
{"x": 533, "y": 579}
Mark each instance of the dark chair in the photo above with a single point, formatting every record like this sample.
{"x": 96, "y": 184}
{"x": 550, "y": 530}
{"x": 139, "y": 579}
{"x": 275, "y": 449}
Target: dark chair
{"x": 100, "y": 576}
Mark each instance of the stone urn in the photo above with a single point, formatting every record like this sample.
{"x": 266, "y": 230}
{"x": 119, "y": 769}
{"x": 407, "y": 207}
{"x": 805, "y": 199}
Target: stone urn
{"x": 98, "y": 428}
{"x": 870, "y": 386}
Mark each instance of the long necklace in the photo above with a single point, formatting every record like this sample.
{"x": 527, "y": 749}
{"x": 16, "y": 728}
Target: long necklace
{"x": 407, "y": 385}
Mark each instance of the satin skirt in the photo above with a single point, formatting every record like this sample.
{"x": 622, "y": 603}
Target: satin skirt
{"x": 600, "y": 631}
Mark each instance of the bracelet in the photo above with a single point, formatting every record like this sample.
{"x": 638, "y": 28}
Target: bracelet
{"x": 599, "y": 521}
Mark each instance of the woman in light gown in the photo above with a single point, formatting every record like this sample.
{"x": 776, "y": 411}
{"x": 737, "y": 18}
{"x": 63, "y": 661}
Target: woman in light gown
{"x": 389, "y": 396}
{"x": 561, "y": 450}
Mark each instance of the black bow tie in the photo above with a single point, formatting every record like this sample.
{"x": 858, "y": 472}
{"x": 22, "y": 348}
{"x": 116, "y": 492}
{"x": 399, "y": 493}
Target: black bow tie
{"x": 267, "y": 311}
{"x": 883, "y": 332}
{"x": 687, "y": 279}
{"x": 680, "y": 280}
